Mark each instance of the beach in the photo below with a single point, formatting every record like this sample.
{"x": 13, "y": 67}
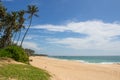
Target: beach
{"x": 73, "y": 70}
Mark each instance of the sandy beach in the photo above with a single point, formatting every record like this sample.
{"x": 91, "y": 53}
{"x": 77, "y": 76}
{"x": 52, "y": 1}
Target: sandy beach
{"x": 73, "y": 70}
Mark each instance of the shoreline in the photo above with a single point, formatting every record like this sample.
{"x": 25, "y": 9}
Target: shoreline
{"x": 73, "y": 70}
{"x": 83, "y": 61}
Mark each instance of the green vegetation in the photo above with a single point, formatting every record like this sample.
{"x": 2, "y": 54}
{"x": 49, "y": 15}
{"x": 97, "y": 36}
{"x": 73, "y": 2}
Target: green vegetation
{"x": 15, "y": 52}
{"x": 22, "y": 72}
{"x": 30, "y": 52}
{"x": 11, "y": 26}
{"x": 12, "y": 23}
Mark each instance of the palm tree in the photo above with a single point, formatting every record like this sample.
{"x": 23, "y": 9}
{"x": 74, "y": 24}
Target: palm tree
{"x": 14, "y": 24}
{"x": 10, "y": 21}
{"x": 2, "y": 16}
{"x": 32, "y": 10}
{"x": 20, "y": 25}
{"x": 6, "y": 30}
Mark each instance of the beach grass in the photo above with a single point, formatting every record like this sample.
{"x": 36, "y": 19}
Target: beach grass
{"x": 22, "y": 72}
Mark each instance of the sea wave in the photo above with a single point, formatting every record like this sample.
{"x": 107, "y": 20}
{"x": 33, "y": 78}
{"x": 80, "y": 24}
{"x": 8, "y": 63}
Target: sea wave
{"x": 87, "y": 62}
{"x": 91, "y": 59}
{"x": 110, "y": 63}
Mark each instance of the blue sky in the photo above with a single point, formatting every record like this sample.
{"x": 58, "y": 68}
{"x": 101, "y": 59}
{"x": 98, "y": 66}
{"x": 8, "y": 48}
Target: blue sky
{"x": 73, "y": 27}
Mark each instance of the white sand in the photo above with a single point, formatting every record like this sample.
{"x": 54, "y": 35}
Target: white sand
{"x": 72, "y": 70}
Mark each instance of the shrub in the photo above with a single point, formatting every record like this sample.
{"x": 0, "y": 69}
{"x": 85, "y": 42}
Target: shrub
{"x": 15, "y": 52}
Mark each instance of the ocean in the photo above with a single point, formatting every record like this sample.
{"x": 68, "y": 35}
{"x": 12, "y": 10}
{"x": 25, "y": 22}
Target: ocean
{"x": 91, "y": 59}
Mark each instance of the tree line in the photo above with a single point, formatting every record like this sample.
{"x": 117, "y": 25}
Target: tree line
{"x": 12, "y": 24}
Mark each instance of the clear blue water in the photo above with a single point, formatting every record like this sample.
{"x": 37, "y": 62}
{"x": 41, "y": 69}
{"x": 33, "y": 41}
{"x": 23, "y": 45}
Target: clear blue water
{"x": 91, "y": 59}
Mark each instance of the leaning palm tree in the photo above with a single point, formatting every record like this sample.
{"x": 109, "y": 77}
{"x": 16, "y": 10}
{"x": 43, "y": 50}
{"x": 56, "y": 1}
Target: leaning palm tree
{"x": 20, "y": 25}
{"x": 10, "y": 21}
{"x": 14, "y": 24}
{"x": 5, "y": 38}
{"x": 2, "y": 16}
{"x": 32, "y": 10}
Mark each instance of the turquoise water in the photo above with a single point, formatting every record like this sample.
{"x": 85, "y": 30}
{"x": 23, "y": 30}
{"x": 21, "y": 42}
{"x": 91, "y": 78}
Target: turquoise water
{"x": 91, "y": 59}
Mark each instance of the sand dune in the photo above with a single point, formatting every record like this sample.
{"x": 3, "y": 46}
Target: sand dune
{"x": 72, "y": 70}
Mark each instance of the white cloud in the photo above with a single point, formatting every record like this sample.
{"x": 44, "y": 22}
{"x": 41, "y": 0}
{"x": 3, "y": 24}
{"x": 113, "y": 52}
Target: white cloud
{"x": 77, "y": 43}
{"x": 99, "y": 34}
{"x": 36, "y": 2}
{"x": 31, "y": 45}
{"x": 51, "y": 27}
{"x": 7, "y": 0}
{"x": 31, "y": 37}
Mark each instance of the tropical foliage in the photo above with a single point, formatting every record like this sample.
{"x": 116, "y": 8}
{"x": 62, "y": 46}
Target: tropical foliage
{"x": 16, "y": 53}
{"x": 30, "y": 52}
{"x": 11, "y": 26}
{"x": 32, "y": 10}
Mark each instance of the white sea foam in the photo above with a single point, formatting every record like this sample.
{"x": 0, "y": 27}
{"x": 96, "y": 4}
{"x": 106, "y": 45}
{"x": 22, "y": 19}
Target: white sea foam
{"x": 109, "y": 63}
{"x": 93, "y": 61}
{"x": 82, "y": 61}
{"x": 87, "y": 62}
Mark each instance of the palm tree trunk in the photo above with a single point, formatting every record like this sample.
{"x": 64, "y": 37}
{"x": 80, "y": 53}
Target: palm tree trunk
{"x": 26, "y": 32}
{"x": 18, "y": 37}
{"x": 7, "y": 39}
{"x": 14, "y": 37}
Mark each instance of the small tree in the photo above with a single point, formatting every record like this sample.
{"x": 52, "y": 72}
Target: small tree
{"x": 30, "y": 52}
